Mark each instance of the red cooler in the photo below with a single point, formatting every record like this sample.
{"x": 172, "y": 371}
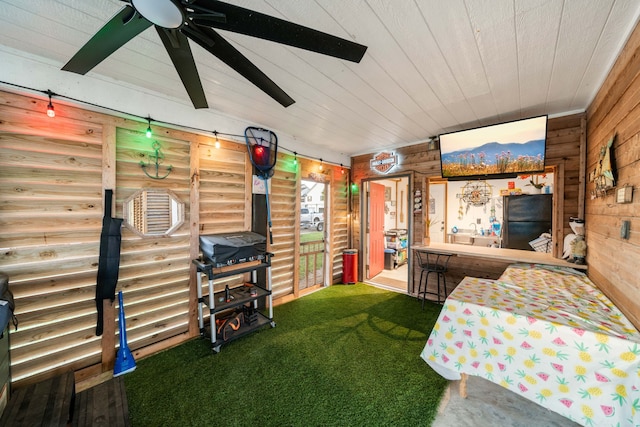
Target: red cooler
{"x": 350, "y": 266}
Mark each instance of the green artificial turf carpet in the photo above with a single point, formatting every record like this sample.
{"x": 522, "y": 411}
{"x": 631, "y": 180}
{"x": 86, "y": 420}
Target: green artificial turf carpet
{"x": 347, "y": 355}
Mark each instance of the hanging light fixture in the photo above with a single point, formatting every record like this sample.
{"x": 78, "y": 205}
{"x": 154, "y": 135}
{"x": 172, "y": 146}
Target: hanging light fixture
{"x": 320, "y": 164}
{"x": 149, "y": 133}
{"x": 50, "y": 111}
{"x": 295, "y": 158}
{"x": 341, "y": 169}
{"x": 215, "y": 132}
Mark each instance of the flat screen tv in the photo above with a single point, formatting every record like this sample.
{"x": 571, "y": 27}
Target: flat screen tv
{"x": 499, "y": 151}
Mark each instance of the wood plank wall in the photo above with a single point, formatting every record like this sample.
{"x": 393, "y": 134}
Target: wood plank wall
{"x": 338, "y": 228}
{"x": 52, "y": 176}
{"x": 154, "y": 270}
{"x": 224, "y": 195}
{"x": 616, "y": 111}
{"x": 565, "y": 148}
{"x": 50, "y": 222}
{"x": 285, "y": 186}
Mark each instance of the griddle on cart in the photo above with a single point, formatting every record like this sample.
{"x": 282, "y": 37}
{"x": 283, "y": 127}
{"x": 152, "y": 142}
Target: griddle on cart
{"x": 227, "y": 249}
{"x": 235, "y": 312}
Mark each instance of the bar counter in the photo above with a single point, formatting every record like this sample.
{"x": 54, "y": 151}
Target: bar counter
{"x": 500, "y": 254}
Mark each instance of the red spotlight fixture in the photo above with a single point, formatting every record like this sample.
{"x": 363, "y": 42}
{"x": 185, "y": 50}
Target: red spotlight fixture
{"x": 262, "y": 145}
{"x": 260, "y": 155}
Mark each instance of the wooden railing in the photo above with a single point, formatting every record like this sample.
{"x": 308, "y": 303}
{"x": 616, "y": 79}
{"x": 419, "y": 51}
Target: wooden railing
{"x": 311, "y": 263}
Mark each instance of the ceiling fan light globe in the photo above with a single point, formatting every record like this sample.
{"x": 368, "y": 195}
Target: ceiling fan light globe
{"x": 163, "y": 13}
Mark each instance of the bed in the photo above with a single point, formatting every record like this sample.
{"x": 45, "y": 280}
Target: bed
{"x": 548, "y": 334}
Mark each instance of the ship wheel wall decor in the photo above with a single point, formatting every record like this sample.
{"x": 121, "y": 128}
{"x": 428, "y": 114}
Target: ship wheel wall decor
{"x": 476, "y": 193}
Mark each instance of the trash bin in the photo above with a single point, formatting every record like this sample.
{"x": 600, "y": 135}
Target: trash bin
{"x": 389, "y": 259}
{"x": 350, "y": 266}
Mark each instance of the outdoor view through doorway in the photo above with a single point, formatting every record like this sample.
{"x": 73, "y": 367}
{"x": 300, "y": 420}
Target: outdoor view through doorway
{"x": 312, "y": 234}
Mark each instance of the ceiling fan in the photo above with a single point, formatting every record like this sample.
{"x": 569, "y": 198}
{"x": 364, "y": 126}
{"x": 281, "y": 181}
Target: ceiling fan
{"x": 176, "y": 21}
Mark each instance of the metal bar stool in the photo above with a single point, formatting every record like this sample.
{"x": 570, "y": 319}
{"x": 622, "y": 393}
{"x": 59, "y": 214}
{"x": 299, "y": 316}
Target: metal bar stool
{"x": 433, "y": 262}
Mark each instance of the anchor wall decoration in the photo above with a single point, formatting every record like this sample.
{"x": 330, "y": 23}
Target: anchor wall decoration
{"x": 157, "y": 157}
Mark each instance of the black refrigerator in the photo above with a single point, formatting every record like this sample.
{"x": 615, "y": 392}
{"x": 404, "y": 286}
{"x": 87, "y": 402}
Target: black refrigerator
{"x": 525, "y": 218}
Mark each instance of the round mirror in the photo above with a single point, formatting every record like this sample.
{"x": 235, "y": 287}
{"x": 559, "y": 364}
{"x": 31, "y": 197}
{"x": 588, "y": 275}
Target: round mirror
{"x": 153, "y": 212}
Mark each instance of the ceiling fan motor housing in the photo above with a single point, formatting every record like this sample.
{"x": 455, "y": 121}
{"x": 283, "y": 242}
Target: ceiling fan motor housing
{"x": 163, "y": 13}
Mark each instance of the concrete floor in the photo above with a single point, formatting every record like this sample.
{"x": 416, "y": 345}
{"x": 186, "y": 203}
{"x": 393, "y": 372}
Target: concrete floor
{"x": 488, "y": 404}
{"x": 392, "y": 280}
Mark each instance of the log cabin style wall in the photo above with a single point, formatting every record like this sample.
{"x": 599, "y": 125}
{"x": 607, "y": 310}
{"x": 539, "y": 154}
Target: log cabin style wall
{"x": 222, "y": 194}
{"x": 154, "y": 270}
{"x": 53, "y": 172}
{"x": 338, "y": 228}
{"x": 50, "y": 223}
{"x": 565, "y": 154}
{"x": 615, "y": 111}
{"x": 284, "y": 191}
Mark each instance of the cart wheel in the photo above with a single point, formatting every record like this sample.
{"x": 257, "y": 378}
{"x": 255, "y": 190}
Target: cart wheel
{"x": 216, "y": 349}
{"x": 273, "y": 324}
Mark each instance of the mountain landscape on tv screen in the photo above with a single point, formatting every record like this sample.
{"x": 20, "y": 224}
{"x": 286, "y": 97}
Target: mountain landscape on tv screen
{"x": 494, "y": 157}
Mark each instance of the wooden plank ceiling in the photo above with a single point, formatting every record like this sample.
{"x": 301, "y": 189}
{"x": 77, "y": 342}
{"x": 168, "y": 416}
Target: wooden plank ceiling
{"x": 431, "y": 65}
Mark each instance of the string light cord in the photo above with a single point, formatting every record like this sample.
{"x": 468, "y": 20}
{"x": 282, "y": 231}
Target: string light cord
{"x": 235, "y": 137}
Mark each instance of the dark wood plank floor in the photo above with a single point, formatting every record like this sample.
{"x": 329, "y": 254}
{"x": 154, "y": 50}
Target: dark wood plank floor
{"x": 102, "y": 405}
{"x": 47, "y": 403}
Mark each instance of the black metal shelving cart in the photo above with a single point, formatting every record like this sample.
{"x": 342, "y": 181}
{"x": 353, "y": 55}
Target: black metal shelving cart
{"x": 244, "y": 298}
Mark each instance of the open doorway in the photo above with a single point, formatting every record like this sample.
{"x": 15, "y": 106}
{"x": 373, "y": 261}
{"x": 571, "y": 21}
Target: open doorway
{"x": 386, "y": 229}
{"x": 436, "y": 215}
{"x": 313, "y": 232}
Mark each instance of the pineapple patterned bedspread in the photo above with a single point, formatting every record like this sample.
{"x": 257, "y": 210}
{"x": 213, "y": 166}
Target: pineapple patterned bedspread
{"x": 548, "y": 334}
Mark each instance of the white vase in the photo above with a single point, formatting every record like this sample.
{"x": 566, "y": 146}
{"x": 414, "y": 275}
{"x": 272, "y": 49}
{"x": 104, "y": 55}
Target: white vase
{"x": 535, "y": 190}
